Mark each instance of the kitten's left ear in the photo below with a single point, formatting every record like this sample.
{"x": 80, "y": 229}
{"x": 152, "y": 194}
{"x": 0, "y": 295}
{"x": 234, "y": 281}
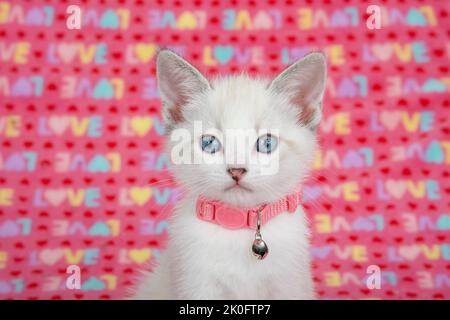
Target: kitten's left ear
{"x": 304, "y": 84}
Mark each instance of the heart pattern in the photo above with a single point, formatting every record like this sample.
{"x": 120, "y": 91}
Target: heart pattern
{"x": 83, "y": 173}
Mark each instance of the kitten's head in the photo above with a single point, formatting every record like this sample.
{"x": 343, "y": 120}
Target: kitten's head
{"x": 241, "y": 140}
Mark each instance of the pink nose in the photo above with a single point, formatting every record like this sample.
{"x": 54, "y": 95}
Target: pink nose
{"x": 236, "y": 173}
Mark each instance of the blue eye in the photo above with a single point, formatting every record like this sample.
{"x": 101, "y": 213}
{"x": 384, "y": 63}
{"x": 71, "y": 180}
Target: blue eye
{"x": 266, "y": 143}
{"x": 210, "y": 144}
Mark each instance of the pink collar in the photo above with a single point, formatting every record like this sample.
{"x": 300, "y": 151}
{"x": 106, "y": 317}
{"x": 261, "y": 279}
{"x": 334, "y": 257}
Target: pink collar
{"x": 231, "y": 217}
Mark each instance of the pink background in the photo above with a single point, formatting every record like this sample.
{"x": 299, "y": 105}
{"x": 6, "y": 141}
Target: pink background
{"x": 83, "y": 180}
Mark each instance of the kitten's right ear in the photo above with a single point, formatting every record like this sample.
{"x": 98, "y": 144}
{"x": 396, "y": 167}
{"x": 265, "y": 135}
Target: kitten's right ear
{"x": 303, "y": 83}
{"x": 178, "y": 82}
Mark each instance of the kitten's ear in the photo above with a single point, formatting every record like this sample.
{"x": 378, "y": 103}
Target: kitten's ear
{"x": 178, "y": 81}
{"x": 304, "y": 84}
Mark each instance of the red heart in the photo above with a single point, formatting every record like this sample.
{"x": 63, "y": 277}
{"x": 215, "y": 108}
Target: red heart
{"x": 41, "y": 243}
{"x": 108, "y": 257}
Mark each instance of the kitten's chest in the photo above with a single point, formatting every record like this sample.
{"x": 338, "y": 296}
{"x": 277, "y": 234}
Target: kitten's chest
{"x": 219, "y": 260}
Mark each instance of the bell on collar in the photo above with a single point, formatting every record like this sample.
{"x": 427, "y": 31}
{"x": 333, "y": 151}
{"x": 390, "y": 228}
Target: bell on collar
{"x": 259, "y": 248}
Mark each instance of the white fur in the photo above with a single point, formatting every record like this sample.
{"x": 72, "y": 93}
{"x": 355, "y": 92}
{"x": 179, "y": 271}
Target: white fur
{"x": 207, "y": 261}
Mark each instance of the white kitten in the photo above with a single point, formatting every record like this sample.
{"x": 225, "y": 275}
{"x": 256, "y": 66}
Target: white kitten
{"x": 204, "y": 260}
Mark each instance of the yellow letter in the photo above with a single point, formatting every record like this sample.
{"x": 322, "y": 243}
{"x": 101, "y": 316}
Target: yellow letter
{"x": 332, "y": 279}
{"x": 21, "y": 52}
{"x": 12, "y": 126}
{"x": 4, "y": 11}
{"x": 110, "y": 280}
{"x": 351, "y": 191}
{"x": 359, "y": 253}
{"x": 304, "y": 20}
{"x": 342, "y": 123}
{"x": 114, "y": 226}
{"x": 323, "y": 223}
{"x": 6, "y": 197}
{"x": 73, "y": 258}
{"x": 124, "y": 16}
{"x": 75, "y": 197}
{"x": 118, "y": 87}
